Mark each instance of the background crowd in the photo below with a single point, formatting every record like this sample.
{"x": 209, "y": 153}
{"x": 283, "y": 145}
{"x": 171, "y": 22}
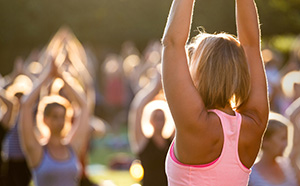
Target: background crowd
{"x": 117, "y": 85}
{"x": 130, "y": 80}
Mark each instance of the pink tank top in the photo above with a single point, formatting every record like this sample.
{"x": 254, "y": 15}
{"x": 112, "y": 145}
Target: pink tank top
{"x": 227, "y": 170}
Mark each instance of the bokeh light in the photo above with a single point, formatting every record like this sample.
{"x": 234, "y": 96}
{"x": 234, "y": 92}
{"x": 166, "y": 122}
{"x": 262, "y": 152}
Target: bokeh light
{"x": 136, "y": 170}
{"x": 35, "y": 67}
{"x": 267, "y": 55}
{"x": 288, "y": 81}
{"x": 130, "y": 62}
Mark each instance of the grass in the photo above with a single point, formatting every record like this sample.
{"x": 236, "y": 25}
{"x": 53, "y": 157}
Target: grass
{"x": 112, "y": 148}
{"x": 119, "y": 178}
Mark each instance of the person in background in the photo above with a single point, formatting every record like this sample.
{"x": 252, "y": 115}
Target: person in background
{"x": 14, "y": 170}
{"x": 56, "y": 161}
{"x": 4, "y": 123}
{"x": 274, "y": 167}
{"x": 218, "y": 98}
{"x": 150, "y": 150}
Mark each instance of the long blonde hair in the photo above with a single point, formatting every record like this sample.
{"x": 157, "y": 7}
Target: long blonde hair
{"x": 219, "y": 70}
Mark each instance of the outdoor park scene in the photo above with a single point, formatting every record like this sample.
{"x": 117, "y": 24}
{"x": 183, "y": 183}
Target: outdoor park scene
{"x": 86, "y": 96}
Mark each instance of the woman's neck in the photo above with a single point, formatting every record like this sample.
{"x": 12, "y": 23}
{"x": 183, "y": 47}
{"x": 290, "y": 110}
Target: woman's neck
{"x": 55, "y": 140}
{"x": 268, "y": 160}
{"x": 227, "y": 110}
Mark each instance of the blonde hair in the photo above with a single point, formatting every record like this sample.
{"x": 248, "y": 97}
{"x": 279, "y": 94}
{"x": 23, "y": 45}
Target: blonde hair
{"x": 219, "y": 70}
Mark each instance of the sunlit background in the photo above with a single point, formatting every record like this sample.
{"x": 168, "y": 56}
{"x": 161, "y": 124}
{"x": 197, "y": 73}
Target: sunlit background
{"x": 122, "y": 35}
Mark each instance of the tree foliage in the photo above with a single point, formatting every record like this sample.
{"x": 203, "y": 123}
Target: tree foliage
{"x": 106, "y": 24}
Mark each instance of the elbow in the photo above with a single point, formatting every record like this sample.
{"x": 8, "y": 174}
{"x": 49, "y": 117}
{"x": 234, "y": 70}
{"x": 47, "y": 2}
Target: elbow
{"x": 165, "y": 41}
{"x": 171, "y": 41}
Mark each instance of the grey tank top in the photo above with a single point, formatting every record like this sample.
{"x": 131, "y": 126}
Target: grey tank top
{"x": 53, "y": 172}
{"x": 256, "y": 179}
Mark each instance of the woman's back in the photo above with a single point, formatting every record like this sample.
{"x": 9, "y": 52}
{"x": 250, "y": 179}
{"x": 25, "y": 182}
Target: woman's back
{"x": 219, "y": 72}
{"x": 203, "y": 145}
{"x": 226, "y": 169}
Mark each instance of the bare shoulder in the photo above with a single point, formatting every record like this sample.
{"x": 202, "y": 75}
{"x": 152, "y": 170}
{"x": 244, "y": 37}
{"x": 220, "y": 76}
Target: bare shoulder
{"x": 250, "y": 139}
{"x": 201, "y": 143}
{"x": 252, "y": 125}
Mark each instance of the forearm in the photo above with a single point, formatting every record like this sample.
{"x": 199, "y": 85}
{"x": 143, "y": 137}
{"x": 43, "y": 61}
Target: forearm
{"x": 142, "y": 98}
{"x": 257, "y": 105}
{"x": 74, "y": 95}
{"x": 148, "y": 93}
{"x": 30, "y": 99}
{"x": 179, "y": 22}
{"x": 9, "y": 109}
{"x": 247, "y": 23}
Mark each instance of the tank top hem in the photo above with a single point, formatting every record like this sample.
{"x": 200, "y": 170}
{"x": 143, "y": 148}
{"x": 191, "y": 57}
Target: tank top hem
{"x": 173, "y": 157}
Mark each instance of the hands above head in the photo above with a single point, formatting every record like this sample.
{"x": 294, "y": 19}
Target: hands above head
{"x": 52, "y": 70}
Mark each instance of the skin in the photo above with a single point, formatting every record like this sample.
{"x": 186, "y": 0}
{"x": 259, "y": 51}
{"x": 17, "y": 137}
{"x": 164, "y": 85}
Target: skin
{"x": 6, "y": 118}
{"x": 294, "y": 116}
{"x": 55, "y": 121}
{"x": 199, "y": 135}
{"x": 272, "y": 148}
{"x": 137, "y": 138}
{"x": 158, "y": 121}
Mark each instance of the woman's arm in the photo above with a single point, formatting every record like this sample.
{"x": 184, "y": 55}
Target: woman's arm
{"x": 6, "y": 119}
{"x": 30, "y": 144}
{"x": 79, "y": 134}
{"x": 142, "y": 98}
{"x": 257, "y": 106}
{"x": 184, "y": 101}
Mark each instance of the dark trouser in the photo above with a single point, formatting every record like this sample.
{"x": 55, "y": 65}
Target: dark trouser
{"x": 15, "y": 173}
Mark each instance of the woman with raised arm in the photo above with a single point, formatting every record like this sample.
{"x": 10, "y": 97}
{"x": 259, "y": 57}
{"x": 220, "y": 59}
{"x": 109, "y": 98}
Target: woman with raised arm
{"x": 217, "y": 96}
{"x": 150, "y": 150}
{"x": 56, "y": 162}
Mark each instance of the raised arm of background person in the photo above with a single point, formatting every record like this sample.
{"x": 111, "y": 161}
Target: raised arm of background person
{"x": 185, "y": 103}
{"x": 6, "y": 118}
{"x": 142, "y": 98}
{"x": 257, "y": 106}
{"x": 293, "y": 112}
{"x": 30, "y": 144}
{"x": 79, "y": 135}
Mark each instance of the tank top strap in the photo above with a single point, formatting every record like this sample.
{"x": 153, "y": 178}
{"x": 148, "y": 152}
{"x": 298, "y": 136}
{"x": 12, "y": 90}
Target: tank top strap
{"x": 71, "y": 150}
{"x": 231, "y": 127}
{"x": 230, "y": 123}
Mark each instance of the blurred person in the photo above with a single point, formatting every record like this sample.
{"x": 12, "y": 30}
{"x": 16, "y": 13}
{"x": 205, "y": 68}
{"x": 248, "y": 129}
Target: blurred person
{"x": 273, "y": 167}
{"x": 273, "y": 62}
{"x": 96, "y": 125}
{"x": 115, "y": 92}
{"x": 14, "y": 170}
{"x": 290, "y": 85}
{"x": 97, "y": 130}
{"x": 150, "y": 150}
{"x": 218, "y": 98}
{"x": 56, "y": 161}
{"x": 293, "y": 62}
{"x": 5, "y": 121}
